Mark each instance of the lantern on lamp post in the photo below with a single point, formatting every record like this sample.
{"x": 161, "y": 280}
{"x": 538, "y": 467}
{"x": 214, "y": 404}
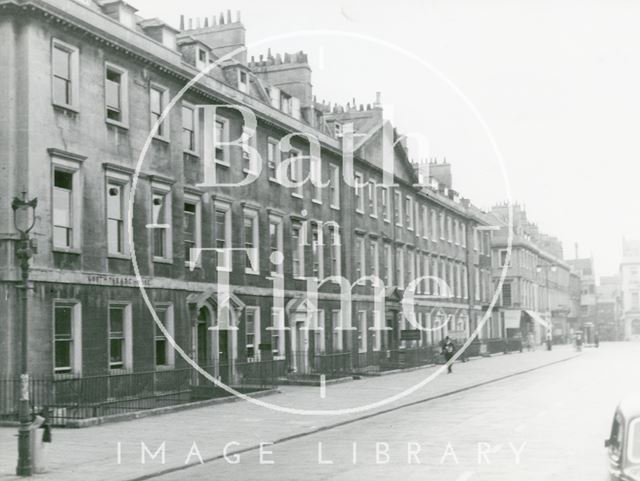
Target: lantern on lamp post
{"x": 24, "y": 219}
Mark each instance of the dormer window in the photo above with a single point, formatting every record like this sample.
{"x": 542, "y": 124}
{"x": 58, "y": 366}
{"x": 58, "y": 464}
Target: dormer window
{"x": 243, "y": 81}
{"x": 337, "y": 127}
{"x": 202, "y": 58}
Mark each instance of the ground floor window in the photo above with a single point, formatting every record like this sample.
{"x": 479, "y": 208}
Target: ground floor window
{"x": 164, "y": 353}
{"x": 67, "y": 338}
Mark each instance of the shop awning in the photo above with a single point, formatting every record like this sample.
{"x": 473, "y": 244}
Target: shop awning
{"x": 512, "y": 318}
{"x": 538, "y": 318}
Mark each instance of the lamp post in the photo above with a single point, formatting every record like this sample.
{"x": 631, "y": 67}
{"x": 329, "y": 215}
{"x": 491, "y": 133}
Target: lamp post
{"x": 21, "y": 210}
{"x": 546, "y": 268}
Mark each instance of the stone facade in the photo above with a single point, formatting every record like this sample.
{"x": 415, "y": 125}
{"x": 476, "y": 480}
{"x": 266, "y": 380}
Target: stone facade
{"x": 85, "y": 87}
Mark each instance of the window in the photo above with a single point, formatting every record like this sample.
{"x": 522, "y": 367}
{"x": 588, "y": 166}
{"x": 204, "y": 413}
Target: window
{"x": 635, "y": 300}
{"x": 476, "y": 284}
{"x": 222, "y": 236}
{"x": 316, "y": 179}
{"x": 252, "y": 333}
{"x": 116, "y": 95}
{"x": 442, "y": 226}
{"x": 317, "y": 248}
{"x": 373, "y": 199}
{"x": 297, "y": 249}
{"x": 65, "y": 209}
{"x": 384, "y": 195}
{"x": 120, "y": 353}
{"x": 376, "y": 339}
{"x": 251, "y": 241}
{"x": 426, "y": 283}
{"x": 277, "y": 333}
{"x": 633, "y": 452}
{"x": 158, "y": 100}
{"x": 318, "y": 333}
{"x": 425, "y": 222}
{"x": 408, "y": 212}
{"x": 476, "y": 239}
{"x": 161, "y": 221}
{"x": 202, "y": 60}
{"x": 297, "y": 172}
{"x": 360, "y": 259}
{"x": 337, "y": 129}
{"x": 338, "y": 330}
{"x": 336, "y": 246}
{"x": 503, "y": 258}
{"x": 449, "y": 229}
{"x": 411, "y": 261}
{"x": 249, "y": 157}
{"x": 506, "y": 294}
{"x": 400, "y": 267}
{"x": 164, "y": 353}
{"x": 398, "y": 207}
{"x": 117, "y": 205}
{"x": 66, "y": 326}
{"x": 359, "y": 192}
{"x": 434, "y": 226}
{"x": 189, "y": 121}
{"x": 334, "y": 186}
{"x": 220, "y": 137}
{"x": 243, "y": 81}
{"x": 388, "y": 265}
{"x": 275, "y": 243}
{"x": 191, "y": 230}
{"x": 463, "y": 228}
{"x": 273, "y": 158}
{"x": 456, "y": 232}
{"x": 373, "y": 257}
{"x": 362, "y": 331}
{"x": 64, "y": 74}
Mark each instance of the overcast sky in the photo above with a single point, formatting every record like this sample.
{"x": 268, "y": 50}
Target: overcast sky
{"x": 557, "y": 83}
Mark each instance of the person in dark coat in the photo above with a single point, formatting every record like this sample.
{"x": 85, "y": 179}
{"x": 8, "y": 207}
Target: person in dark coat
{"x": 448, "y": 349}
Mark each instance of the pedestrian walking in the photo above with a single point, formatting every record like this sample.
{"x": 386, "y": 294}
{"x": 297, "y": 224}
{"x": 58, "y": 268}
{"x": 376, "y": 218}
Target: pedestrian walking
{"x": 448, "y": 348}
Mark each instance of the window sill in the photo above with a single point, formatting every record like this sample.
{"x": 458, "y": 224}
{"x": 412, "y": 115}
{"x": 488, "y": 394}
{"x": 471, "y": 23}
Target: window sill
{"x": 250, "y": 171}
{"x": 358, "y": 211}
{"x": 68, "y": 108}
{"x": 115, "y": 123}
{"x": 160, "y": 138}
{"x": 224, "y": 269}
{"x": 162, "y": 260}
{"x": 115, "y": 255}
{"x": 296, "y": 195}
{"x": 165, "y": 367}
{"x": 373, "y": 216}
{"x": 274, "y": 180}
{"x": 65, "y": 375}
{"x": 316, "y": 201}
{"x": 192, "y": 267}
{"x": 222, "y": 163}
{"x": 116, "y": 371}
{"x": 192, "y": 153}
{"x": 67, "y": 250}
{"x": 334, "y": 207}
{"x": 251, "y": 272}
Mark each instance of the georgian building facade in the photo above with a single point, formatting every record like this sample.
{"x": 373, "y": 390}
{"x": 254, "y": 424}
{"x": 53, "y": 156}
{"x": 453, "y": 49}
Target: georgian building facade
{"x": 87, "y": 86}
{"x": 630, "y": 289}
{"x": 536, "y": 296}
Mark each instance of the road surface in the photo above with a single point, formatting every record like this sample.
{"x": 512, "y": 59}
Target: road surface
{"x": 545, "y": 425}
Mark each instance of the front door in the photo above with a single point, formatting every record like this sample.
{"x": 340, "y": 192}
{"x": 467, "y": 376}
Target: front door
{"x": 202, "y": 338}
{"x": 301, "y": 346}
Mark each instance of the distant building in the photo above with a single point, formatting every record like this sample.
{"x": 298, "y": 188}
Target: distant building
{"x": 584, "y": 267}
{"x": 535, "y": 295}
{"x": 608, "y": 309}
{"x": 630, "y": 289}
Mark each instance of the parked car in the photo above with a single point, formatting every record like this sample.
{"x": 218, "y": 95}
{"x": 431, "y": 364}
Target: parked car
{"x": 623, "y": 444}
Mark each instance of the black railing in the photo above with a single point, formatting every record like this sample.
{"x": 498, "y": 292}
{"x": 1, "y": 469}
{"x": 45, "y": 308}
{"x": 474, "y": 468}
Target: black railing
{"x": 67, "y": 398}
{"x": 312, "y": 364}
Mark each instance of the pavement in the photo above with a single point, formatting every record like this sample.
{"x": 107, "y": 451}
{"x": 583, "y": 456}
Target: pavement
{"x": 124, "y": 451}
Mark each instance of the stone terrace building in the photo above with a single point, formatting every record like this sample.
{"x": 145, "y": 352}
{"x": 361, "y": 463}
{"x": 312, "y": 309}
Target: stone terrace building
{"x": 85, "y": 86}
{"x": 536, "y": 290}
{"x": 630, "y": 288}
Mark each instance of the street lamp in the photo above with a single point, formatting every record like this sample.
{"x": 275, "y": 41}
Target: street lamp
{"x": 24, "y": 219}
{"x": 546, "y": 268}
